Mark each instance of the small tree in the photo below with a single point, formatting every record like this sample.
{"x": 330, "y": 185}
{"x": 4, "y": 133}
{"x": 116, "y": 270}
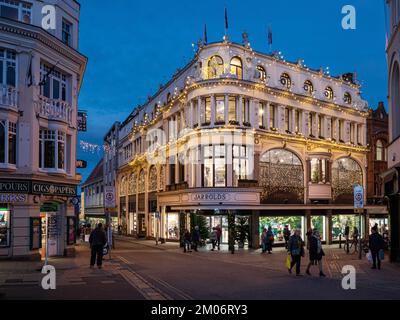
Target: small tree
{"x": 242, "y": 230}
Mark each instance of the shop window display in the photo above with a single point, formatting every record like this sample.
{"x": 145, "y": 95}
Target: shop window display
{"x": 346, "y": 173}
{"x": 4, "y": 228}
{"x": 339, "y": 224}
{"x": 318, "y": 222}
{"x": 282, "y": 177}
{"x": 173, "y": 226}
{"x": 278, "y": 224}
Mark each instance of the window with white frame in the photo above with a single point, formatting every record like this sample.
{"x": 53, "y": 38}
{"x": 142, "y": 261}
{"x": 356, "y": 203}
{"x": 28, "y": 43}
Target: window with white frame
{"x": 232, "y": 113}
{"x": 8, "y": 142}
{"x": 67, "y": 32}
{"x": 8, "y": 67}
{"x": 287, "y": 120}
{"x": 220, "y": 109}
{"x": 246, "y": 112}
{"x": 214, "y": 166}
{"x": 261, "y": 114}
{"x": 16, "y": 10}
{"x": 240, "y": 157}
{"x": 52, "y": 149}
{"x": 55, "y": 84}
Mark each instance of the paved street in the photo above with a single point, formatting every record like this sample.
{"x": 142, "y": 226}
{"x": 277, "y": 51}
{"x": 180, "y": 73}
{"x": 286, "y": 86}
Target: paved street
{"x": 140, "y": 270}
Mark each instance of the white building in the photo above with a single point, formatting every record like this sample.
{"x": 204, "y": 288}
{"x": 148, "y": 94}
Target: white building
{"x": 241, "y": 133}
{"x": 392, "y": 177}
{"x": 41, "y": 73}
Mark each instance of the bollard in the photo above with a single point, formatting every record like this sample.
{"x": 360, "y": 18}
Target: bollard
{"x": 340, "y": 241}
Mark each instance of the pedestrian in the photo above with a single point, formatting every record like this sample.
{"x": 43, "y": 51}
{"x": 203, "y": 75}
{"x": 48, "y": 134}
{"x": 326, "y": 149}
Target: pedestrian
{"x": 119, "y": 229}
{"x": 219, "y": 236}
{"x": 309, "y": 235}
{"x": 269, "y": 240}
{"x": 316, "y": 253}
{"x": 355, "y": 234}
{"x": 196, "y": 238}
{"x": 264, "y": 240}
{"x": 286, "y": 235}
{"x": 376, "y": 244}
{"x": 214, "y": 238}
{"x": 296, "y": 250}
{"x": 187, "y": 241}
{"x": 97, "y": 242}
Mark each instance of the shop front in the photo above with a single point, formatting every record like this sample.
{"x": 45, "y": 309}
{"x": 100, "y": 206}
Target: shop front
{"x": 35, "y": 215}
{"x": 278, "y": 223}
{"x": 141, "y": 216}
{"x": 133, "y": 220}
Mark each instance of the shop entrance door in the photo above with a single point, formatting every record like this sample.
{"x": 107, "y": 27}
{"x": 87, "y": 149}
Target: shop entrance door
{"x": 222, "y": 221}
{"x": 51, "y": 233}
{"x": 142, "y": 225}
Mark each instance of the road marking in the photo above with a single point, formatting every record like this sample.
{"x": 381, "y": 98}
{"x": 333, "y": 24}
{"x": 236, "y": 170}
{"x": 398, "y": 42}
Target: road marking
{"x": 179, "y": 292}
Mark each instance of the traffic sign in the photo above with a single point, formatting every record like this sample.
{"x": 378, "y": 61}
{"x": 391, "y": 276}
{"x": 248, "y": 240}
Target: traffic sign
{"x": 358, "y": 197}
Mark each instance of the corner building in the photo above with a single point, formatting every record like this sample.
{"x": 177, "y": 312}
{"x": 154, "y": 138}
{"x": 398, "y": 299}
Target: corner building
{"x": 245, "y": 134}
{"x": 41, "y": 72}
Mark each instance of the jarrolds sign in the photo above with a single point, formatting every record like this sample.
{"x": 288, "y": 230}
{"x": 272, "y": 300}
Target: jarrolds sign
{"x": 38, "y": 188}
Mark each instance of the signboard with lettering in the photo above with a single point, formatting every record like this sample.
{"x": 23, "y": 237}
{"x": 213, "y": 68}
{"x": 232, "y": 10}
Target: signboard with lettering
{"x": 211, "y": 196}
{"x": 15, "y": 186}
{"x": 13, "y": 198}
{"x": 82, "y": 121}
{"x": 81, "y": 164}
{"x": 43, "y": 188}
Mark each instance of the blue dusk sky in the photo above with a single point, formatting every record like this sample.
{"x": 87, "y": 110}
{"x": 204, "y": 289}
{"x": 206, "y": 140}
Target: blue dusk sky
{"x": 134, "y": 46}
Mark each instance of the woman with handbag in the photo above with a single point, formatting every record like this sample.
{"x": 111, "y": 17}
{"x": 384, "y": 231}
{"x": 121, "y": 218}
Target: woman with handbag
{"x": 316, "y": 252}
{"x": 269, "y": 240}
{"x": 296, "y": 250}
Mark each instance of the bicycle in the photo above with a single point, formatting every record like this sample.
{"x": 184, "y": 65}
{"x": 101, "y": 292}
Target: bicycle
{"x": 351, "y": 246}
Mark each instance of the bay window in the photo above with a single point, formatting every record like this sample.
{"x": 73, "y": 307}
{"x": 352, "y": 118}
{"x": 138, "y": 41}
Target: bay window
{"x": 240, "y": 164}
{"x": 287, "y": 120}
{"x": 261, "y": 115}
{"x": 8, "y": 142}
{"x": 16, "y": 10}
{"x": 220, "y": 109}
{"x": 8, "y": 63}
{"x": 52, "y": 149}
{"x": 272, "y": 116}
{"x": 55, "y": 84}
{"x": 214, "y": 166}
{"x": 232, "y": 114}
{"x": 246, "y": 112}
{"x": 207, "y": 111}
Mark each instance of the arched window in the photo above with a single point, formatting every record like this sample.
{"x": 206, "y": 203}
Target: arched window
{"x": 122, "y": 187}
{"x": 132, "y": 184}
{"x": 142, "y": 181}
{"x": 380, "y": 151}
{"x": 261, "y": 73}
{"x": 286, "y": 81}
{"x": 395, "y": 97}
{"x": 328, "y": 93}
{"x": 346, "y": 173}
{"x": 281, "y": 177}
{"x": 236, "y": 67}
{"x": 215, "y": 67}
{"x": 153, "y": 179}
{"x": 347, "y": 98}
{"x": 308, "y": 87}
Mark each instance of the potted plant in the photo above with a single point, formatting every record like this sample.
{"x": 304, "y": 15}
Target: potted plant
{"x": 242, "y": 231}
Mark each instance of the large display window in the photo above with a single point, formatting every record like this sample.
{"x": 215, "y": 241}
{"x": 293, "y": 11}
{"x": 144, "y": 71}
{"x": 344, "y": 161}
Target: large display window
{"x": 319, "y": 223}
{"x": 340, "y": 222}
{"x": 278, "y": 224}
{"x": 173, "y": 226}
{"x": 381, "y": 223}
{"x": 4, "y": 227}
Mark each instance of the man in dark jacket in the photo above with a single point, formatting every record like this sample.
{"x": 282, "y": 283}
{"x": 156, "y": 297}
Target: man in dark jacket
{"x": 376, "y": 244}
{"x": 286, "y": 235}
{"x": 196, "y": 237}
{"x": 97, "y": 240}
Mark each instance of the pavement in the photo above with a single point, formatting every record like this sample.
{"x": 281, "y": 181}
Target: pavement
{"x": 142, "y": 270}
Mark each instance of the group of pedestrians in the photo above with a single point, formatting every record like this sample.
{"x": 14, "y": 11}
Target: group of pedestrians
{"x": 193, "y": 240}
{"x": 267, "y": 240}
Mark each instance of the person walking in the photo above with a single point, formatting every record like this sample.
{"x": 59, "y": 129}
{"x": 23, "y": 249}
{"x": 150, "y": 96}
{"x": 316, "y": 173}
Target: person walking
{"x": 196, "y": 238}
{"x": 296, "y": 250}
{"x": 286, "y": 235}
{"x": 187, "y": 241}
{"x": 376, "y": 244}
{"x": 219, "y": 235}
{"x": 97, "y": 241}
{"x": 308, "y": 236}
{"x": 213, "y": 238}
{"x": 264, "y": 240}
{"x": 316, "y": 253}
{"x": 269, "y": 240}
